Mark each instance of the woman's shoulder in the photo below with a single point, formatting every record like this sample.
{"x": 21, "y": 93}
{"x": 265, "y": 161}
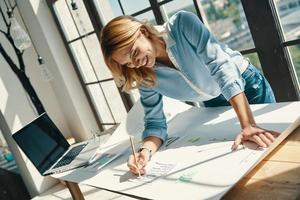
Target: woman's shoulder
{"x": 180, "y": 19}
{"x": 181, "y": 16}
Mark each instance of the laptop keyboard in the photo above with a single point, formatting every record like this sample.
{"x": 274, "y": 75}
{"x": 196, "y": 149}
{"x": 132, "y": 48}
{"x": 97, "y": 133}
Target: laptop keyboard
{"x": 69, "y": 157}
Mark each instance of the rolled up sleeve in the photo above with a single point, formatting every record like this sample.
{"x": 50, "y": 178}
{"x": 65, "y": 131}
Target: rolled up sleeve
{"x": 154, "y": 120}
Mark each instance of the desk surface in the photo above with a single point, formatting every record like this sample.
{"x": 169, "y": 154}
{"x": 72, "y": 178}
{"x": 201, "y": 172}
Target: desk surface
{"x": 276, "y": 177}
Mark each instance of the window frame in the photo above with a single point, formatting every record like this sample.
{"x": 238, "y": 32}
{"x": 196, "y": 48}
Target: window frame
{"x": 97, "y": 25}
{"x": 274, "y": 70}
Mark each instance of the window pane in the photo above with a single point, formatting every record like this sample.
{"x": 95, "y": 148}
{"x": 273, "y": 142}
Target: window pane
{"x": 148, "y": 16}
{"x": 100, "y": 103}
{"x": 253, "y": 58}
{"x": 295, "y": 53}
{"x": 176, "y": 5}
{"x": 115, "y": 6}
{"x": 82, "y": 60}
{"x": 93, "y": 48}
{"x": 115, "y": 102}
{"x": 81, "y": 18}
{"x": 106, "y": 127}
{"x": 289, "y": 14}
{"x": 65, "y": 20}
{"x": 228, "y": 23}
{"x": 130, "y": 7}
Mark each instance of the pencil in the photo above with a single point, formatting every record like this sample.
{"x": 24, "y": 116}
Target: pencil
{"x": 133, "y": 151}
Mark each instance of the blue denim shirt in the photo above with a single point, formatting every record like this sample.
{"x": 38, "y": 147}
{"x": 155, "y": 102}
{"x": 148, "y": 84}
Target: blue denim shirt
{"x": 205, "y": 68}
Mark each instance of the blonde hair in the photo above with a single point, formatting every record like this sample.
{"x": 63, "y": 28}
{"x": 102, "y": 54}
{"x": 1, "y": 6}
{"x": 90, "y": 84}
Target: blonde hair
{"x": 119, "y": 33}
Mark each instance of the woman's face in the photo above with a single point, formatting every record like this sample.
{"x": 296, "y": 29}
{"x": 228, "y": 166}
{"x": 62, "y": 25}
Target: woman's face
{"x": 141, "y": 54}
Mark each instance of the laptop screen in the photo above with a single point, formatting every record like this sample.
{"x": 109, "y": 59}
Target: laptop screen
{"x": 42, "y": 142}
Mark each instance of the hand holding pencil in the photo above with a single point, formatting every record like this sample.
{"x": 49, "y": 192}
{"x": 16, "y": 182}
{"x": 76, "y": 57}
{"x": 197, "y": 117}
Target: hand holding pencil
{"x": 137, "y": 161}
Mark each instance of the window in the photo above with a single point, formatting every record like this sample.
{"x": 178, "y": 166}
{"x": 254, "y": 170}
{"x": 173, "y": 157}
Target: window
{"x": 283, "y": 8}
{"x": 228, "y": 21}
{"x": 172, "y": 7}
{"x": 253, "y": 58}
{"x": 140, "y": 9}
{"x": 290, "y": 26}
{"x": 82, "y": 41}
{"x": 295, "y": 54}
{"x": 130, "y": 8}
{"x": 148, "y": 17}
{"x": 233, "y": 22}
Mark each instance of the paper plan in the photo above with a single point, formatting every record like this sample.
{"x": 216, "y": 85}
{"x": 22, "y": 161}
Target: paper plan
{"x": 156, "y": 170}
{"x": 104, "y": 159}
{"x": 106, "y": 154}
{"x": 196, "y": 162}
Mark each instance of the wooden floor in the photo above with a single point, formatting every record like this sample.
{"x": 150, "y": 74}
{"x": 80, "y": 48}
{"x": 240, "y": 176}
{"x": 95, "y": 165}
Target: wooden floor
{"x": 276, "y": 177}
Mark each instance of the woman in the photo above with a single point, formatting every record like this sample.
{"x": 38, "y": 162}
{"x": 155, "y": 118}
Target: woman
{"x": 187, "y": 63}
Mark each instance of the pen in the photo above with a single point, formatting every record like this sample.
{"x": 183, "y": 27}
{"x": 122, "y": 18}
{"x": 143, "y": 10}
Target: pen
{"x": 133, "y": 151}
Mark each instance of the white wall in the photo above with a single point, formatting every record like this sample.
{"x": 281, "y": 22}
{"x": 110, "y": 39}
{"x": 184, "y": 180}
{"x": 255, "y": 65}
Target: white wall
{"x": 18, "y": 111}
{"x": 66, "y": 84}
{"x": 63, "y": 97}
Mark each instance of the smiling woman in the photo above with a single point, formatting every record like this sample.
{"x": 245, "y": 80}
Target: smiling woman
{"x": 136, "y": 55}
{"x": 130, "y": 50}
{"x": 186, "y": 62}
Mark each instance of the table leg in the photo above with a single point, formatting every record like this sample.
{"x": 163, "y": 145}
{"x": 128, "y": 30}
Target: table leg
{"x": 74, "y": 190}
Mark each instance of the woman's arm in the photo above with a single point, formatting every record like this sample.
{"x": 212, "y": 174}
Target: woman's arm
{"x": 155, "y": 132}
{"x": 241, "y": 106}
{"x": 151, "y": 145}
{"x": 250, "y": 131}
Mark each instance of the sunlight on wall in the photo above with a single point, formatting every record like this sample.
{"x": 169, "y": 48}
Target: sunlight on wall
{"x": 17, "y": 124}
{"x": 4, "y": 96}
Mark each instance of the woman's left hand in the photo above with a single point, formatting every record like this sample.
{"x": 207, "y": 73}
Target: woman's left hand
{"x": 260, "y": 136}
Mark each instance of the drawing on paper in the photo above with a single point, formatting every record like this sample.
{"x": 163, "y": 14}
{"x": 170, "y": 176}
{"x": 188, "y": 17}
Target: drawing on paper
{"x": 156, "y": 170}
{"x": 187, "y": 176}
{"x": 171, "y": 140}
{"x": 194, "y": 139}
{"x": 218, "y": 140}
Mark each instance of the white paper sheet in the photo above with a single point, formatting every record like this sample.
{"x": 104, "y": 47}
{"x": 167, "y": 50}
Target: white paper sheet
{"x": 154, "y": 170}
{"x": 106, "y": 154}
{"x": 204, "y": 167}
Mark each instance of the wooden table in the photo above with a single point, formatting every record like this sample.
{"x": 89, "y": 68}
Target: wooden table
{"x": 276, "y": 177}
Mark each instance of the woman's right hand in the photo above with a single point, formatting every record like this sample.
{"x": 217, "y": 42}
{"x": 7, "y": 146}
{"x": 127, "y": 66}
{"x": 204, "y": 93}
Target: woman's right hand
{"x": 150, "y": 144}
{"x": 141, "y": 162}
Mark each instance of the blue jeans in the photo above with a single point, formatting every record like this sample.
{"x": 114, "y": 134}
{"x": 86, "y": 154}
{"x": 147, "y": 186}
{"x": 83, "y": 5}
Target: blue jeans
{"x": 257, "y": 89}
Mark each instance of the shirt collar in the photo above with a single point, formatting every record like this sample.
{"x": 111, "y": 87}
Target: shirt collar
{"x": 167, "y": 38}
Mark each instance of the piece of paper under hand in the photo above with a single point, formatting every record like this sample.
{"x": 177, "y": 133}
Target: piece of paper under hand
{"x": 156, "y": 170}
{"x": 171, "y": 140}
{"x": 102, "y": 161}
{"x": 105, "y": 155}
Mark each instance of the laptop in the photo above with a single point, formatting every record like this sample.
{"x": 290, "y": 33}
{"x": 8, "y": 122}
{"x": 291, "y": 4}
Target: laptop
{"x": 49, "y": 151}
